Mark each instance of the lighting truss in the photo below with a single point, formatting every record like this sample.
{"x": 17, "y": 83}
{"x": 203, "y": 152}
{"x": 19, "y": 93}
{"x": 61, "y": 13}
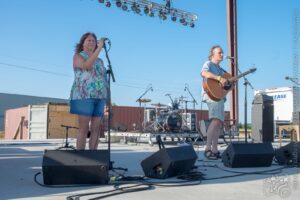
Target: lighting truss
{"x": 151, "y": 9}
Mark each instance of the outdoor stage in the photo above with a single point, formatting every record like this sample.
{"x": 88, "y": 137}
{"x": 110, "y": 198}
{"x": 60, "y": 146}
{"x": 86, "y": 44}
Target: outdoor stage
{"x": 21, "y": 160}
{"x": 150, "y": 138}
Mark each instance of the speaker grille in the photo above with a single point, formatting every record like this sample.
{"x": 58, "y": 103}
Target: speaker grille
{"x": 248, "y": 155}
{"x": 289, "y": 154}
{"x": 169, "y": 162}
{"x": 262, "y": 118}
{"x": 63, "y": 167}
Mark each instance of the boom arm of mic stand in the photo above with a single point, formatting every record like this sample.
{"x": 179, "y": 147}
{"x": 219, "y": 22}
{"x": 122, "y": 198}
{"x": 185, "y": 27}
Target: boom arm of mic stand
{"x": 194, "y": 100}
{"x": 143, "y": 94}
{"x": 170, "y": 98}
{"x": 246, "y": 81}
{"x": 109, "y": 71}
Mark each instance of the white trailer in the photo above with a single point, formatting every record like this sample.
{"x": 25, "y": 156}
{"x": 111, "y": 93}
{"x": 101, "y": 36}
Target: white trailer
{"x": 283, "y": 101}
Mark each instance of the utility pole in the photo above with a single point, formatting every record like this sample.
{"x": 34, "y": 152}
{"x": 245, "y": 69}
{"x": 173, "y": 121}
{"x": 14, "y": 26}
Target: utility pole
{"x": 233, "y": 63}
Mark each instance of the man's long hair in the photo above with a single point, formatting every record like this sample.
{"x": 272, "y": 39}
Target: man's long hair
{"x": 211, "y": 52}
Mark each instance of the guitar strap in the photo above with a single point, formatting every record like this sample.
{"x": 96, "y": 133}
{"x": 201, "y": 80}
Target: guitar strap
{"x": 223, "y": 69}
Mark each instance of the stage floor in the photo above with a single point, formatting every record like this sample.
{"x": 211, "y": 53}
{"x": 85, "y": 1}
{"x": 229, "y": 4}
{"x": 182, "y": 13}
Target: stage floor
{"x": 20, "y": 161}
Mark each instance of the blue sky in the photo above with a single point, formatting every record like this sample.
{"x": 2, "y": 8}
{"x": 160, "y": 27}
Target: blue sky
{"x": 38, "y": 38}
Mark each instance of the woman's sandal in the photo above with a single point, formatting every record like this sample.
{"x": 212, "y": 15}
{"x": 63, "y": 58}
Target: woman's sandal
{"x": 210, "y": 155}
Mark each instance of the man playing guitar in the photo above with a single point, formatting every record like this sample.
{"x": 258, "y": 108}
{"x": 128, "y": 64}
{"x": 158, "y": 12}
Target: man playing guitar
{"x": 212, "y": 70}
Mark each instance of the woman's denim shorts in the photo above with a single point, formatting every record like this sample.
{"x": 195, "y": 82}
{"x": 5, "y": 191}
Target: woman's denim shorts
{"x": 87, "y": 107}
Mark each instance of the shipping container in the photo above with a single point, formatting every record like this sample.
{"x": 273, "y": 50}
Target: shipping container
{"x": 41, "y": 121}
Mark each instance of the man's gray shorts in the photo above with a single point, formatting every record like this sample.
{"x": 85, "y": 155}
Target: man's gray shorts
{"x": 216, "y": 109}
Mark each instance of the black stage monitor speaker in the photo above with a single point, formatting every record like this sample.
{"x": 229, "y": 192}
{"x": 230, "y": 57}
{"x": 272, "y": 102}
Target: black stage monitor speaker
{"x": 169, "y": 162}
{"x": 262, "y": 118}
{"x": 248, "y": 155}
{"x": 63, "y": 167}
{"x": 288, "y": 154}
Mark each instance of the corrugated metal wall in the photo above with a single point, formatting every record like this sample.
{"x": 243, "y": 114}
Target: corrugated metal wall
{"x": 125, "y": 116}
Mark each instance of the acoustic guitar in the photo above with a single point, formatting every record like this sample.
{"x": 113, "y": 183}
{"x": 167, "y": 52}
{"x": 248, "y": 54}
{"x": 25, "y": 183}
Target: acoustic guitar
{"x": 214, "y": 88}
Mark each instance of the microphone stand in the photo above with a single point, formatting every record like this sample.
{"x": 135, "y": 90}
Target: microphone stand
{"x": 246, "y": 83}
{"x": 109, "y": 74}
{"x": 293, "y": 80}
{"x": 194, "y": 101}
{"x": 140, "y": 103}
{"x": 169, "y": 95}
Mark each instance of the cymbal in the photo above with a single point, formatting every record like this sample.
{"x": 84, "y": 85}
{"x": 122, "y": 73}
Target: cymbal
{"x": 158, "y": 105}
{"x": 144, "y": 100}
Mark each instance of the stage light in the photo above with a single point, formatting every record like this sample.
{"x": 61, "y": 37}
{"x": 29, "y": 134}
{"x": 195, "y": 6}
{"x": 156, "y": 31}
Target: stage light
{"x": 162, "y": 15}
{"x": 182, "y": 20}
{"x": 133, "y": 7}
{"x": 151, "y": 14}
{"x": 137, "y": 9}
{"x": 174, "y": 18}
{"x": 146, "y": 10}
{"x": 107, "y": 4}
{"x": 192, "y": 25}
{"x": 151, "y": 9}
{"x": 118, "y": 3}
{"x": 124, "y": 7}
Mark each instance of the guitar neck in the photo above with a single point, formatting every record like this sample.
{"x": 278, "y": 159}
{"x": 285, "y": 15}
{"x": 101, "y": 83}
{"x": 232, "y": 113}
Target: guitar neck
{"x": 239, "y": 76}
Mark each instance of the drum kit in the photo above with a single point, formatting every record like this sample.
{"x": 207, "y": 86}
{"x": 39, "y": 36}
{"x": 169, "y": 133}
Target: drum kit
{"x": 164, "y": 118}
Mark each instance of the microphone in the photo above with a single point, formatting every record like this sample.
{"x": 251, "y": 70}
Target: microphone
{"x": 186, "y": 87}
{"x": 106, "y": 39}
{"x": 230, "y": 57}
{"x": 291, "y": 78}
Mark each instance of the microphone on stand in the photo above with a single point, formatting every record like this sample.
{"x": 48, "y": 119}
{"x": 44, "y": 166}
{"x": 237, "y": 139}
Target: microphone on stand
{"x": 150, "y": 87}
{"x": 291, "y": 79}
{"x": 106, "y": 39}
{"x": 185, "y": 87}
{"x": 230, "y": 57}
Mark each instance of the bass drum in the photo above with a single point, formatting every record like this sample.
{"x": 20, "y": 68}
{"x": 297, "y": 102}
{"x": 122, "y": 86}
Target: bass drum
{"x": 173, "y": 122}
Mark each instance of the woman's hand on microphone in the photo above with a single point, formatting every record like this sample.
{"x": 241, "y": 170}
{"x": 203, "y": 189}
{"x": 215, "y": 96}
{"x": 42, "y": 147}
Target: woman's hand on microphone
{"x": 101, "y": 42}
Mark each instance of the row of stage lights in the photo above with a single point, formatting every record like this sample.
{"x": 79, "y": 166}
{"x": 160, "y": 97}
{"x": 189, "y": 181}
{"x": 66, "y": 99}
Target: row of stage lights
{"x": 152, "y": 9}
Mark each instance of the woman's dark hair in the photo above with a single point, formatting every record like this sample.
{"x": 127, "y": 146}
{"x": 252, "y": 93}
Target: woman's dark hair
{"x": 79, "y": 46}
